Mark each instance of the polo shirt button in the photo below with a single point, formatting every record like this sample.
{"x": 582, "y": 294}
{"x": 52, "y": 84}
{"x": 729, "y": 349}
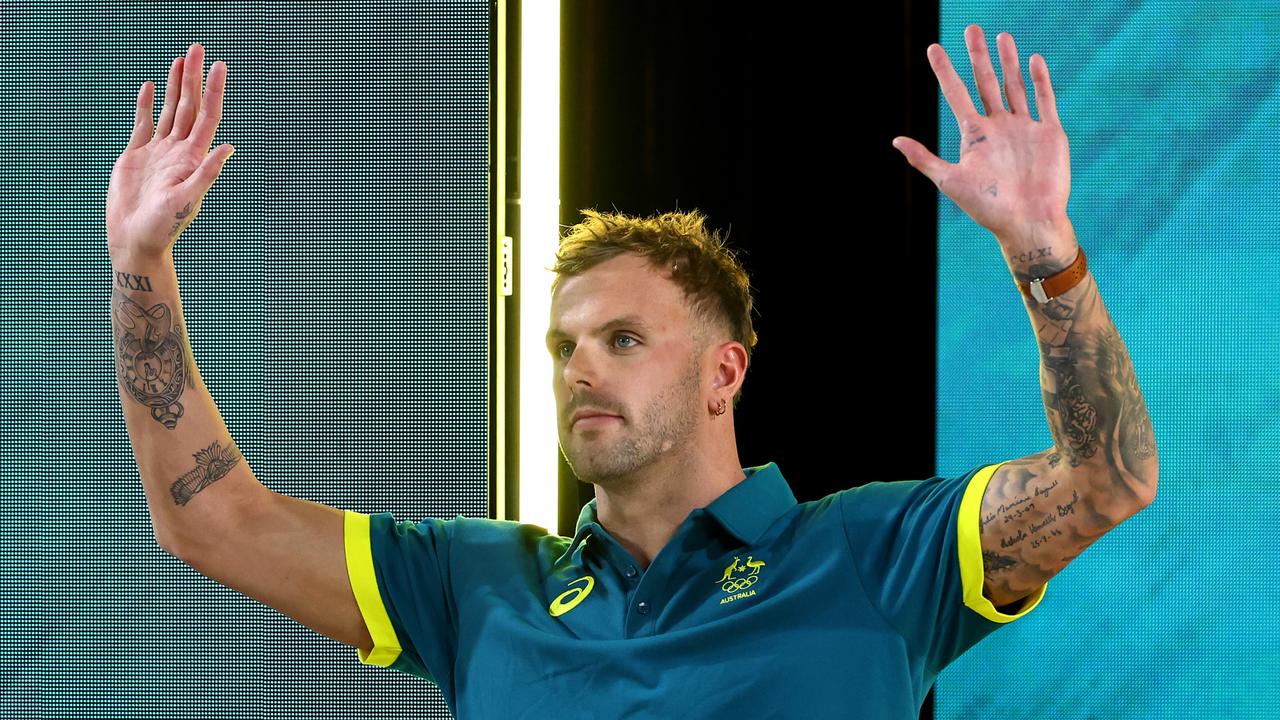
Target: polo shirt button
{"x": 643, "y": 608}
{"x": 631, "y": 571}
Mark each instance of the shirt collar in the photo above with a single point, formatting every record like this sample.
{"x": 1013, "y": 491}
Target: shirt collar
{"x": 745, "y": 510}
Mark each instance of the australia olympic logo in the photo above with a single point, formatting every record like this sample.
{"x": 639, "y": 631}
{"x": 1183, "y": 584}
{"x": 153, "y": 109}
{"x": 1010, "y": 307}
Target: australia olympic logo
{"x": 739, "y": 583}
{"x": 751, "y": 568}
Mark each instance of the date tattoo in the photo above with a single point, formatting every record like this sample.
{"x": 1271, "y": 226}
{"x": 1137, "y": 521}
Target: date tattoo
{"x": 1031, "y": 524}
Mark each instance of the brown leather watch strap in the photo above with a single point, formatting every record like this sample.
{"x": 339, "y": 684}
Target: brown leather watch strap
{"x": 1051, "y": 287}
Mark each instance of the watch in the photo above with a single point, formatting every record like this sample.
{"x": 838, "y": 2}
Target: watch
{"x": 1045, "y": 289}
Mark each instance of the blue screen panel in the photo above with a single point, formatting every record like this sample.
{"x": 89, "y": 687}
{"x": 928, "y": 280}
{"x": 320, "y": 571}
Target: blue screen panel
{"x": 1172, "y": 110}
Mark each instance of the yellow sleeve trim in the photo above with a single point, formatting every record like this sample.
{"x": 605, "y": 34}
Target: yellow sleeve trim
{"x": 364, "y": 583}
{"x": 969, "y": 545}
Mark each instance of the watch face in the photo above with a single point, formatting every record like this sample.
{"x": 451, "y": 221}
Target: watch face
{"x": 154, "y": 375}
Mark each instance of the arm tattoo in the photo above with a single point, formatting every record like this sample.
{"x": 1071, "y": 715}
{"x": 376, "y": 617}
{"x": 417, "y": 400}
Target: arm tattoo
{"x": 1095, "y": 409}
{"x": 212, "y": 463}
{"x": 1029, "y": 521}
{"x": 153, "y": 359}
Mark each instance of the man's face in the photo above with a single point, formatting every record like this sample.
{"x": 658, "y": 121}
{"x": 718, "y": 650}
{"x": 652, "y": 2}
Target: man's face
{"x": 640, "y": 368}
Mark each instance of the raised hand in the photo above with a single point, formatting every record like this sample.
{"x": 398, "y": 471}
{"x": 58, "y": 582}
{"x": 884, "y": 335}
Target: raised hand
{"x": 1014, "y": 173}
{"x": 160, "y": 179}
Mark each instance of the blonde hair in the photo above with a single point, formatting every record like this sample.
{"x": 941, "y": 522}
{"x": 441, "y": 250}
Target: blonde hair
{"x": 700, "y": 263}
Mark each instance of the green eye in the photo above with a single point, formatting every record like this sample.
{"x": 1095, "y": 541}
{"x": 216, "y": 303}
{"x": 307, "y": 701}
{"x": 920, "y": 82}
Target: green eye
{"x": 561, "y": 346}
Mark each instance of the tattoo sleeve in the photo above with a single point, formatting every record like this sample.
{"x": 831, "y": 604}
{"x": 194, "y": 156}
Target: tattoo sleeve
{"x": 1096, "y": 411}
{"x": 184, "y": 451}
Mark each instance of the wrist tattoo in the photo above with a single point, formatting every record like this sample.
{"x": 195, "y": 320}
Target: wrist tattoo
{"x": 180, "y": 216}
{"x": 129, "y": 281}
{"x": 1028, "y": 256}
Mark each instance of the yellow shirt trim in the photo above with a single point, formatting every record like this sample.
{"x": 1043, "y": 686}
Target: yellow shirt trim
{"x": 364, "y": 584}
{"x": 969, "y": 546}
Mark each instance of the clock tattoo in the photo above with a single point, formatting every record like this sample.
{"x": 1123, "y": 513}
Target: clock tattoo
{"x": 151, "y": 356}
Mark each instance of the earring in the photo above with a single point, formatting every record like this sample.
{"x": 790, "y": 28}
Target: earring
{"x": 720, "y": 410}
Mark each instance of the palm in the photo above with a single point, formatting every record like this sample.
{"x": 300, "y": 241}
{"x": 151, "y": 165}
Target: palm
{"x": 146, "y": 192}
{"x": 159, "y": 181}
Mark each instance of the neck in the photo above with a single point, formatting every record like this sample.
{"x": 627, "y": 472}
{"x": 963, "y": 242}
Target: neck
{"x": 644, "y": 512}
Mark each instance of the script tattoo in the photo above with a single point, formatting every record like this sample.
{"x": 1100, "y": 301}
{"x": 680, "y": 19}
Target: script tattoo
{"x": 1041, "y": 511}
{"x": 212, "y": 464}
{"x": 152, "y": 355}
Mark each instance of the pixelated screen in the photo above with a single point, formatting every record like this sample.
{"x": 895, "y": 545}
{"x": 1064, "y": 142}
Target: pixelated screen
{"x": 1172, "y": 110}
{"x": 336, "y": 290}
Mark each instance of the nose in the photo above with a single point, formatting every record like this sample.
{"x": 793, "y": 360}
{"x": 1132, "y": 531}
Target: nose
{"x": 580, "y": 368}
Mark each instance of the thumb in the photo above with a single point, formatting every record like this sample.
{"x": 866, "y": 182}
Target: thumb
{"x": 933, "y": 167}
{"x": 211, "y": 168}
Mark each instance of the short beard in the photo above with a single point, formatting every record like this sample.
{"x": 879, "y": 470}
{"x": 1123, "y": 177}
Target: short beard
{"x": 671, "y": 419}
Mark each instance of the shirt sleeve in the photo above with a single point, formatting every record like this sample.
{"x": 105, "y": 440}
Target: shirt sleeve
{"x": 919, "y": 556}
{"x": 399, "y": 572}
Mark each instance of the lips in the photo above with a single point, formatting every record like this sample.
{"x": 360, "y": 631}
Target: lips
{"x": 589, "y": 414}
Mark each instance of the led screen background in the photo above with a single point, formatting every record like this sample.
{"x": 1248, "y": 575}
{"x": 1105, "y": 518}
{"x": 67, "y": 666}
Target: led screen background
{"x": 1172, "y": 110}
{"x": 335, "y": 286}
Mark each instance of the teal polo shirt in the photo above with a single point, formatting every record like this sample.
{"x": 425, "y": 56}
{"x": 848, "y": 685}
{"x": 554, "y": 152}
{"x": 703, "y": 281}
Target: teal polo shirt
{"x": 758, "y": 606}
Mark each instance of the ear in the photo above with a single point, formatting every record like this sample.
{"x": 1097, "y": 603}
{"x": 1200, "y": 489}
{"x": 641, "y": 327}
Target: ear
{"x": 731, "y": 367}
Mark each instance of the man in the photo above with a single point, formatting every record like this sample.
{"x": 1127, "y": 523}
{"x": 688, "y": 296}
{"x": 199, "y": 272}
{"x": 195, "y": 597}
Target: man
{"x": 693, "y": 587}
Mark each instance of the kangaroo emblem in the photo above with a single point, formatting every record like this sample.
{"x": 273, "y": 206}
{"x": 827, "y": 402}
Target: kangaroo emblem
{"x": 728, "y": 572}
{"x": 734, "y": 566}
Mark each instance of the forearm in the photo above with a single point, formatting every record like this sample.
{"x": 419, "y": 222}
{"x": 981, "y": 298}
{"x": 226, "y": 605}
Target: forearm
{"x": 192, "y": 472}
{"x": 1096, "y": 412}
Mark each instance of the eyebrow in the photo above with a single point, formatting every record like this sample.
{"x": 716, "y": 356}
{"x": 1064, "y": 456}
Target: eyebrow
{"x": 627, "y": 320}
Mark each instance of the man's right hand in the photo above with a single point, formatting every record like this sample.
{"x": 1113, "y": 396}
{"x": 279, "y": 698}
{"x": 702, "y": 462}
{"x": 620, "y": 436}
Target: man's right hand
{"x": 160, "y": 179}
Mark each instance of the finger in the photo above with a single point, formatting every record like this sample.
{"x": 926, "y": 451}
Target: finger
{"x": 1046, "y": 104}
{"x": 952, "y": 86}
{"x": 211, "y": 114}
{"x": 202, "y": 179}
{"x": 984, "y": 74}
{"x": 172, "y": 91}
{"x": 142, "y": 117}
{"x": 192, "y": 91}
{"x": 1015, "y": 88}
{"x": 933, "y": 167}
